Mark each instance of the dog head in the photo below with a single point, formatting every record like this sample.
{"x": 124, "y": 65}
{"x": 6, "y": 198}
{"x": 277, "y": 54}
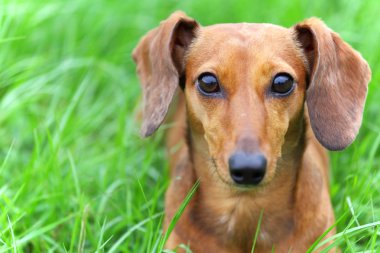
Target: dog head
{"x": 246, "y": 86}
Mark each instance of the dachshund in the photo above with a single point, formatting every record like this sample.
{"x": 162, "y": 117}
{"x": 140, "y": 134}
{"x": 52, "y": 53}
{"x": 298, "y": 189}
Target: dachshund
{"x": 253, "y": 108}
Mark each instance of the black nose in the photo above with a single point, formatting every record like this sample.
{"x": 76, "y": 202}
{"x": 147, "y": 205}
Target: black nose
{"x": 247, "y": 169}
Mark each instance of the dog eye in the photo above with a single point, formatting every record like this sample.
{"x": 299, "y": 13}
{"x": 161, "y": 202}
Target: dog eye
{"x": 282, "y": 84}
{"x": 208, "y": 84}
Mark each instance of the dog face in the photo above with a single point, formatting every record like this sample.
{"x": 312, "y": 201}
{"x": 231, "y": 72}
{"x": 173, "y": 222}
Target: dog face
{"x": 246, "y": 86}
{"x": 245, "y": 90}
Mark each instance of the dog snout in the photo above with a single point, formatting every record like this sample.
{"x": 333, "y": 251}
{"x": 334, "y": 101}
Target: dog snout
{"x": 247, "y": 168}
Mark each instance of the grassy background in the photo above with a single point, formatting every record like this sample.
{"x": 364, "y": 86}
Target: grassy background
{"x": 74, "y": 174}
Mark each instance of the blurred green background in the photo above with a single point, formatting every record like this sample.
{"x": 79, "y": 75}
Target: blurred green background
{"x": 75, "y": 175}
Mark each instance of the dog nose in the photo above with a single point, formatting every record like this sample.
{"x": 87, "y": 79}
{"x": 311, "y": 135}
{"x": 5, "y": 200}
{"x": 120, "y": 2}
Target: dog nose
{"x": 247, "y": 169}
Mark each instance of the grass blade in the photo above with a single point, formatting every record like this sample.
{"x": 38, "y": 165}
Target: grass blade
{"x": 257, "y": 230}
{"x": 130, "y": 231}
{"x": 13, "y": 235}
{"x": 177, "y": 215}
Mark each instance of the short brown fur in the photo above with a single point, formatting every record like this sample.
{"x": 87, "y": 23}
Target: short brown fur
{"x": 330, "y": 77}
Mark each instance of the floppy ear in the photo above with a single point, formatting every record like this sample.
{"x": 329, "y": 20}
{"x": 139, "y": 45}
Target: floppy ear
{"x": 338, "y": 84}
{"x": 160, "y": 64}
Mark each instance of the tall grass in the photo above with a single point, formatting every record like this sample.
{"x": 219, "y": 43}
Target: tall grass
{"x": 74, "y": 174}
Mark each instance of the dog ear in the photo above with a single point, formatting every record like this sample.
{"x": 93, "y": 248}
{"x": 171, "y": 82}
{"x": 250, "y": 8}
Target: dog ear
{"x": 337, "y": 90}
{"x": 160, "y": 64}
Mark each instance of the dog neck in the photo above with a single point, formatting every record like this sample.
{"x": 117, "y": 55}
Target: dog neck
{"x": 231, "y": 214}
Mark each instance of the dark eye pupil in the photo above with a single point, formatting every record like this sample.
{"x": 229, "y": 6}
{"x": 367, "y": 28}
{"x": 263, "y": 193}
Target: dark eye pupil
{"x": 282, "y": 83}
{"x": 208, "y": 83}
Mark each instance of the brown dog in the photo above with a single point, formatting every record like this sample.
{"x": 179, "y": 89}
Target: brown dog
{"x": 242, "y": 127}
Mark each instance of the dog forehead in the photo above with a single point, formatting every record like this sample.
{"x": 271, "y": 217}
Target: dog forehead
{"x": 250, "y": 38}
{"x": 244, "y": 29}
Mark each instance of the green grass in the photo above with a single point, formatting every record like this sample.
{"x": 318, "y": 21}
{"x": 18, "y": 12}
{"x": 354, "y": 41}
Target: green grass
{"x": 74, "y": 174}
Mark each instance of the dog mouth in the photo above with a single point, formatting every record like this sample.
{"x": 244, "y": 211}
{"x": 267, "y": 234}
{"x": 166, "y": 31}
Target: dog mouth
{"x": 228, "y": 181}
{"x": 219, "y": 175}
